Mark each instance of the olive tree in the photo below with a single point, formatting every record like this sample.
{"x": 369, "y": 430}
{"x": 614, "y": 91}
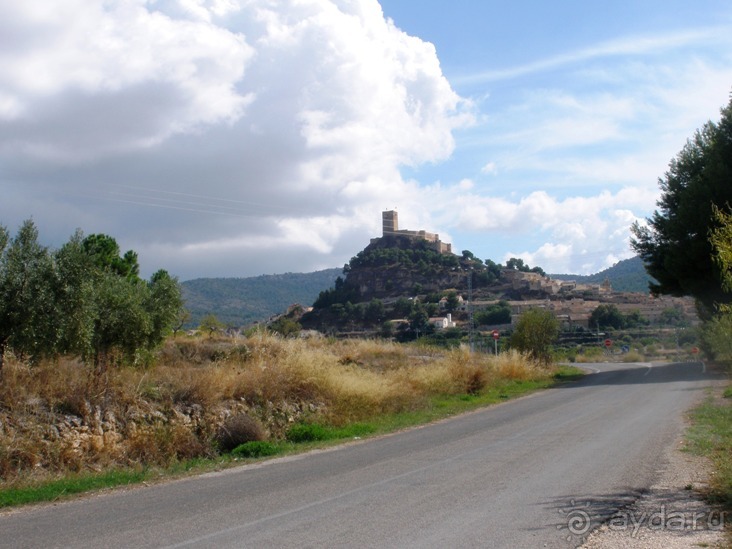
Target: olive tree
{"x": 83, "y": 299}
{"x": 27, "y": 308}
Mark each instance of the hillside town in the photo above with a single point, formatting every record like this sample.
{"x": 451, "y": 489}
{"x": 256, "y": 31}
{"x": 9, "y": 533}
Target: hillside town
{"x": 404, "y": 271}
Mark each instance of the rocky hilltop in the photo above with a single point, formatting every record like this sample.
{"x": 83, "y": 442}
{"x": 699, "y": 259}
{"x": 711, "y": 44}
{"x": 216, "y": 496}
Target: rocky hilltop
{"x": 403, "y": 285}
{"x": 409, "y": 282}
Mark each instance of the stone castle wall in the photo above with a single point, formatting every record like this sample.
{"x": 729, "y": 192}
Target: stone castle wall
{"x": 390, "y": 227}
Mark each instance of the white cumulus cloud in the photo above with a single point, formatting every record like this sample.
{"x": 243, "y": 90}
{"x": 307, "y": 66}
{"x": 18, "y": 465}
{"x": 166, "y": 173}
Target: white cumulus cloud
{"x": 214, "y": 134}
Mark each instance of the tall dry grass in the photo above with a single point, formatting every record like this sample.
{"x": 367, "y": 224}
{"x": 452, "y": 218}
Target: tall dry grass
{"x": 58, "y": 415}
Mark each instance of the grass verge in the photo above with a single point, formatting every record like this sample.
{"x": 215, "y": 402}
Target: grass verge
{"x": 710, "y": 435}
{"x": 71, "y": 485}
{"x": 301, "y": 437}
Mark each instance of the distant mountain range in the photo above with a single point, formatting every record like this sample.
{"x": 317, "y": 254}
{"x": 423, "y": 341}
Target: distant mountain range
{"x": 243, "y": 301}
{"x": 628, "y": 275}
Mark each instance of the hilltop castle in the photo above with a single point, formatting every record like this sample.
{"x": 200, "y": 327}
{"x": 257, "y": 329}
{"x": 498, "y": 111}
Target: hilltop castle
{"x": 390, "y": 227}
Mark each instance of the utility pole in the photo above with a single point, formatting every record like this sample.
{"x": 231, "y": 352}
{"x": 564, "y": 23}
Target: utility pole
{"x": 470, "y": 309}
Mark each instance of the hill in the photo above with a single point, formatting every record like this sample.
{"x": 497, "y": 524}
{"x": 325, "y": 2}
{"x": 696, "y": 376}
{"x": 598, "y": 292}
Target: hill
{"x": 242, "y": 301}
{"x": 389, "y": 268}
{"x": 628, "y": 275}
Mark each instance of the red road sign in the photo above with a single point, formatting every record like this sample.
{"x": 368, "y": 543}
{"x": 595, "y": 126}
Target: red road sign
{"x": 495, "y": 334}
{"x": 608, "y": 342}
{"x": 695, "y": 350}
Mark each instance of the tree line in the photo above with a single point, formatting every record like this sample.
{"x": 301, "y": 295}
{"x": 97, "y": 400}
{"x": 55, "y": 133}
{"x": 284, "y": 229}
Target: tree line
{"x": 84, "y": 299}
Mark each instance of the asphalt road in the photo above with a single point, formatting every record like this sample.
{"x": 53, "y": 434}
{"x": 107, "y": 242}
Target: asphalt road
{"x": 524, "y": 474}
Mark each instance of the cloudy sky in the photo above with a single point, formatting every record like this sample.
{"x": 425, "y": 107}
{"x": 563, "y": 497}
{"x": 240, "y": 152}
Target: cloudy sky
{"x": 244, "y": 137}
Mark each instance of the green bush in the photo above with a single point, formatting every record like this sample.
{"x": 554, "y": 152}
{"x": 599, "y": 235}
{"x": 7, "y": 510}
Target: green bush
{"x": 715, "y": 340}
{"x": 307, "y": 432}
{"x": 311, "y": 432}
{"x": 256, "y": 448}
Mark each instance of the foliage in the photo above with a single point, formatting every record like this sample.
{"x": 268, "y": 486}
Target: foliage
{"x": 607, "y": 316}
{"x": 256, "y": 449}
{"x": 238, "y": 430}
{"x": 449, "y": 338}
{"x": 404, "y": 252}
{"x": 349, "y": 388}
{"x": 285, "y": 326}
{"x": 82, "y": 299}
{"x": 499, "y": 313}
{"x": 340, "y": 293}
{"x": 518, "y": 265}
{"x": 104, "y": 253}
{"x": 716, "y": 331}
{"x": 374, "y": 312}
{"x": 710, "y": 435}
{"x": 164, "y": 305}
{"x": 628, "y": 275}
{"x": 452, "y": 302}
{"x": 535, "y": 333}
{"x": 211, "y": 324}
{"x": 675, "y": 244}
{"x": 75, "y": 289}
{"x": 673, "y": 316}
{"x": 27, "y": 305}
{"x": 120, "y": 320}
{"x": 419, "y": 320}
{"x": 241, "y": 301}
{"x": 721, "y": 241}
{"x": 307, "y": 432}
{"x": 403, "y": 307}
{"x": 715, "y": 338}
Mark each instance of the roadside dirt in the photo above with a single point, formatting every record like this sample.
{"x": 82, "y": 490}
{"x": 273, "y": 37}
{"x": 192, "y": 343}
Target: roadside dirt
{"x": 672, "y": 514}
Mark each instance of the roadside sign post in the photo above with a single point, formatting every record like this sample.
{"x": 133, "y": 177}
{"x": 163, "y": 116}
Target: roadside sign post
{"x": 495, "y": 335}
{"x": 608, "y": 344}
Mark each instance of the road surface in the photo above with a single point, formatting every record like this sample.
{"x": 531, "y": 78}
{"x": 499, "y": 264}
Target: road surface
{"x": 526, "y": 473}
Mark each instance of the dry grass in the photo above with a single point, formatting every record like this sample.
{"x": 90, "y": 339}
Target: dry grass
{"x": 57, "y": 416}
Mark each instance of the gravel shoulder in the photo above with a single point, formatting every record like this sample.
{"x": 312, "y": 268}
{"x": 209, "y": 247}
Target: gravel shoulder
{"x": 672, "y": 514}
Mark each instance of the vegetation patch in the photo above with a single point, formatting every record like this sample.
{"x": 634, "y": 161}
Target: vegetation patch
{"x": 312, "y": 432}
{"x": 568, "y": 373}
{"x": 70, "y": 485}
{"x": 710, "y": 435}
{"x": 257, "y": 449}
{"x": 60, "y": 424}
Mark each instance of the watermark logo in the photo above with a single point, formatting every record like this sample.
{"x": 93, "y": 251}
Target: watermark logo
{"x": 579, "y": 520}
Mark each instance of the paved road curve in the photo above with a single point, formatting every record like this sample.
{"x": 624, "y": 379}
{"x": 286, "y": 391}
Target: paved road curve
{"x": 510, "y": 476}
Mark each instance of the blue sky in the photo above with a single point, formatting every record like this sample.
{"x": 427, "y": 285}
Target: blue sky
{"x": 575, "y": 99}
{"x": 244, "y": 137}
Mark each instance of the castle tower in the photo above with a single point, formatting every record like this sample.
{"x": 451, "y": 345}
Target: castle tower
{"x": 390, "y": 222}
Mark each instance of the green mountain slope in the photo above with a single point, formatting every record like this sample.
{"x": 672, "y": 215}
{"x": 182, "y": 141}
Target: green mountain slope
{"x": 242, "y": 301}
{"x": 628, "y": 275}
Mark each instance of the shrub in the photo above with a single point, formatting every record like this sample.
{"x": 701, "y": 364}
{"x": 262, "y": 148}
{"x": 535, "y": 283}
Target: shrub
{"x": 516, "y": 366}
{"x": 591, "y": 354}
{"x": 534, "y": 334}
{"x": 162, "y": 444}
{"x": 715, "y": 340}
{"x": 469, "y": 376}
{"x": 633, "y": 356}
{"x": 237, "y": 430}
{"x": 307, "y": 432}
{"x": 256, "y": 448}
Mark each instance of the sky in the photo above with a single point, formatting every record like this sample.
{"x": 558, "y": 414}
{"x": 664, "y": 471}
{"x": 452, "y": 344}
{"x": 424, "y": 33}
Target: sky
{"x": 233, "y": 138}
